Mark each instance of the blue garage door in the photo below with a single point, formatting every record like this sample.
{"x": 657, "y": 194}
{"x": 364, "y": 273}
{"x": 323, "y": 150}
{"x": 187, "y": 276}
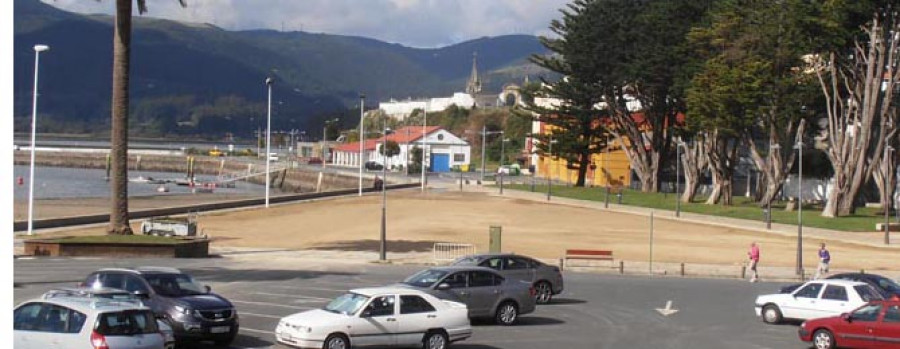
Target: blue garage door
{"x": 440, "y": 162}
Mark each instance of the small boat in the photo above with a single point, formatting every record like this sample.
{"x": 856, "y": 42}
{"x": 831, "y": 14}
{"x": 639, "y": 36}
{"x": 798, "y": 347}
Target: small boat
{"x": 162, "y": 189}
{"x": 145, "y": 180}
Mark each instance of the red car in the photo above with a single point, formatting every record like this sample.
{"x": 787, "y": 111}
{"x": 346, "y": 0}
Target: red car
{"x": 874, "y": 325}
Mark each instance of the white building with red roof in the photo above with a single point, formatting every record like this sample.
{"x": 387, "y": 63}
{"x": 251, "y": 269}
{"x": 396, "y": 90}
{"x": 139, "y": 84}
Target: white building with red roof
{"x": 443, "y": 149}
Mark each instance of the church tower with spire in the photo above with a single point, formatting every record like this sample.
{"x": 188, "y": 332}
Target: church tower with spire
{"x": 473, "y": 86}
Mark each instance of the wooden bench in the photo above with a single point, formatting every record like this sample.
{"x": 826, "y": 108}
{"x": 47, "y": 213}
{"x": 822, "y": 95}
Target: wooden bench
{"x": 601, "y": 255}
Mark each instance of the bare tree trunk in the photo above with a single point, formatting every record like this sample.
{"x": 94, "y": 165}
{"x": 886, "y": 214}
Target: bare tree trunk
{"x": 775, "y": 165}
{"x": 118, "y": 218}
{"x": 859, "y": 95}
{"x": 694, "y": 161}
{"x": 722, "y": 152}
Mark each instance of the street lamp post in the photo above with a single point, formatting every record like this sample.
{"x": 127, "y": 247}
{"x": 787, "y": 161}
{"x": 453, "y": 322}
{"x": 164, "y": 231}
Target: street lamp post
{"x": 325, "y": 139}
{"x": 502, "y": 153}
{"x": 383, "y": 249}
{"x": 607, "y": 172}
{"x": 887, "y": 195}
{"x": 362, "y": 139}
{"x": 800, "y": 209}
{"x": 549, "y": 185}
{"x": 37, "y": 52}
{"x": 483, "y": 139}
{"x": 678, "y": 146}
{"x": 269, "y": 82}
{"x": 424, "y": 143}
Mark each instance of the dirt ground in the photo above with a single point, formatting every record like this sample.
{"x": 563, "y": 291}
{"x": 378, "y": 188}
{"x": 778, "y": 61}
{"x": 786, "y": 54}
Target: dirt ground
{"x": 416, "y": 221}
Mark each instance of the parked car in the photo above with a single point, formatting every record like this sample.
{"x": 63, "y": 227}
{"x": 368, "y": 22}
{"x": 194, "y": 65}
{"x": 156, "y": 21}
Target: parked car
{"x": 193, "y": 311}
{"x": 546, "y": 279}
{"x": 885, "y": 286}
{"x": 111, "y": 294}
{"x": 378, "y": 317}
{"x": 79, "y": 322}
{"x": 815, "y": 299}
{"x": 483, "y": 290}
{"x": 874, "y": 325}
{"x": 374, "y": 166}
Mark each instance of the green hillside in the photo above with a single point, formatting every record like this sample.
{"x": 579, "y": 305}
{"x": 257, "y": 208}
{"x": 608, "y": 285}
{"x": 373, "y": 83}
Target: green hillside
{"x": 198, "y": 79}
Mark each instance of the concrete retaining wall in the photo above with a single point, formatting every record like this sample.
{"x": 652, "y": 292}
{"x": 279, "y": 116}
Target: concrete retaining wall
{"x": 170, "y": 211}
{"x": 188, "y": 249}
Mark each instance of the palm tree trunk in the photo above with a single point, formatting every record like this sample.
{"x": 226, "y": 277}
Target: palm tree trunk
{"x": 118, "y": 218}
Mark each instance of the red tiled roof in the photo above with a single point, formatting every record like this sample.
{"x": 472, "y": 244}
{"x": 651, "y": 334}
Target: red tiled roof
{"x": 403, "y": 135}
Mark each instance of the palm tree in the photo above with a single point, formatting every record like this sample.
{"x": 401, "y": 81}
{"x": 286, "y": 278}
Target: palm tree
{"x": 118, "y": 217}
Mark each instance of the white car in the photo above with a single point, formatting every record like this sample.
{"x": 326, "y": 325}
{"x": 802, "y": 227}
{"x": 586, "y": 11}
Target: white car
{"x": 815, "y": 299}
{"x": 380, "y": 316}
{"x": 61, "y": 322}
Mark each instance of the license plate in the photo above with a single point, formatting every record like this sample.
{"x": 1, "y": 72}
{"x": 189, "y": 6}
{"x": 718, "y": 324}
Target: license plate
{"x": 219, "y": 329}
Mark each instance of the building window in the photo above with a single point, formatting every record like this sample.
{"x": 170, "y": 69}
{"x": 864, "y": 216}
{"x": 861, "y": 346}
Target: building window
{"x": 459, "y": 157}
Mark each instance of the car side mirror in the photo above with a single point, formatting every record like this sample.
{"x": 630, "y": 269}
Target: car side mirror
{"x": 141, "y": 294}
{"x": 847, "y": 317}
{"x": 366, "y": 313}
{"x": 207, "y": 288}
{"x": 442, "y": 286}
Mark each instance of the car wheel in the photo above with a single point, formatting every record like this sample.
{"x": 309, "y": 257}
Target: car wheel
{"x": 543, "y": 292}
{"x": 823, "y": 339}
{"x": 336, "y": 341}
{"x": 435, "y": 340}
{"x": 771, "y": 314}
{"x": 507, "y": 314}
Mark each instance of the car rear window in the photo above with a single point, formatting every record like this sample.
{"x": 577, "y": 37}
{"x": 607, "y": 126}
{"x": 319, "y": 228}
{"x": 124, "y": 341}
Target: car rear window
{"x": 867, "y": 293}
{"x": 124, "y": 323}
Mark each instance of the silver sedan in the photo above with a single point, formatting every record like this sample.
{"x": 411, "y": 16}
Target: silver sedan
{"x": 547, "y": 279}
{"x": 486, "y": 293}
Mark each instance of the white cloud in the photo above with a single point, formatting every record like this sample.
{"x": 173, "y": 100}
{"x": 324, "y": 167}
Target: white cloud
{"x": 419, "y": 23}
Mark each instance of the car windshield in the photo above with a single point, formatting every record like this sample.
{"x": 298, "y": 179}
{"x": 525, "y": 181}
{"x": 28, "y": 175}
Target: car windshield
{"x": 347, "y": 304}
{"x": 425, "y": 278}
{"x": 126, "y": 323}
{"x": 174, "y": 285}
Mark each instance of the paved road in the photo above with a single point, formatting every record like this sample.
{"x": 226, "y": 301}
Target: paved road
{"x": 596, "y": 311}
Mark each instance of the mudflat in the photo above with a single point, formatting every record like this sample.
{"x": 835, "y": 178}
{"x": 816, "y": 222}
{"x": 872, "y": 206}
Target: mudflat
{"x": 415, "y": 221}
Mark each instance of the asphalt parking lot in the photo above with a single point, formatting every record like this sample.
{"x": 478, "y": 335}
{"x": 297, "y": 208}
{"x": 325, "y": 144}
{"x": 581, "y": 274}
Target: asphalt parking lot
{"x": 595, "y": 311}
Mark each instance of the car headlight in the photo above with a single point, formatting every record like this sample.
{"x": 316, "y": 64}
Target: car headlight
{"x": 803, "y": 324}
{"x": 183, "y": 311}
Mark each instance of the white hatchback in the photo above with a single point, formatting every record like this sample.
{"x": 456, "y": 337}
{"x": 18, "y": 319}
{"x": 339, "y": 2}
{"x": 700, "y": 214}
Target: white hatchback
{"x": 815, "y": 299}
{"x": 85, "y": 323}
{"x": 384, "y": 316}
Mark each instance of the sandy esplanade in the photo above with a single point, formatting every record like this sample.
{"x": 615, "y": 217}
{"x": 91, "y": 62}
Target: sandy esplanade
{"x": 415, "y": 221}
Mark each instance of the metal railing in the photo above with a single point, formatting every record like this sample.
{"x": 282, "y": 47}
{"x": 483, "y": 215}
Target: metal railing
{"x": 448, "y": 251}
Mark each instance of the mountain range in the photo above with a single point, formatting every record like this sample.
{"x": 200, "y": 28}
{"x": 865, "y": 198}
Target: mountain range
{"x": 190, "y": 78}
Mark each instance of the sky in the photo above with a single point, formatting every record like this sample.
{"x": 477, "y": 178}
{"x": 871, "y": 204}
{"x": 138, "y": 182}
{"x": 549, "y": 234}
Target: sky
{"x": 416, "y": 23}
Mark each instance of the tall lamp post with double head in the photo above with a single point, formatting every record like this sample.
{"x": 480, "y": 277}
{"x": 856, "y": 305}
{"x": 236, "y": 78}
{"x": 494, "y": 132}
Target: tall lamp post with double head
{"x": 799, "y": 147}
{"x": 37, "y": 52}
{"x": 362, "y": 139}
{"x": 269, "y": 82}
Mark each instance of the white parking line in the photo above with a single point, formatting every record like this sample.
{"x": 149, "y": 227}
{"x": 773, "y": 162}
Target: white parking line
{"x": 311, "y": 288}
{"x": 244, "y": 313}
{"x": 310, "y": 298}
{"x": 256, "y": 331}
{"x": 272, "y": 304}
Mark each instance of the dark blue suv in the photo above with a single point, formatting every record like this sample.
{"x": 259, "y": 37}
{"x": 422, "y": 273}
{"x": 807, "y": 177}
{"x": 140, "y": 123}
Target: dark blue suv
{"x": 193, "y": 311}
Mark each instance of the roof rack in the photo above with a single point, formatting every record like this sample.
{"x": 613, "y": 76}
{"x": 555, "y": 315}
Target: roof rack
{"x": 100, "y": 302}
{"x": 159, "y": 269}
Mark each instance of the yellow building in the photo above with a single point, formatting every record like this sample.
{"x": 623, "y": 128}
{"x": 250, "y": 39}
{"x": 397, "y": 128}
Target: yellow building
{"x": 610, "y": 167}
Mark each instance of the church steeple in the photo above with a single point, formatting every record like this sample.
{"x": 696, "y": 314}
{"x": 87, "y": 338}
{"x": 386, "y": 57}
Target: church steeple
{"x": 473, "y": 86}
